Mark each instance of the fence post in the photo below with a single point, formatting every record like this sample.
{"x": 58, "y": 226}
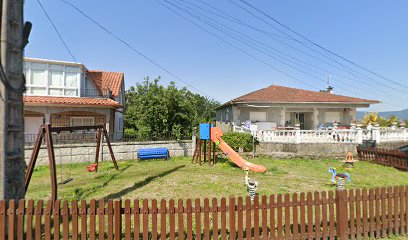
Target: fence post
{"x": 298, "y": 138}
{"x": 341, "y": 214}
{"x": 194, "y": 140}
{"x": 117, "y": 211}
{"x": 376, "y": 133}
{"x": 359, "y": 135}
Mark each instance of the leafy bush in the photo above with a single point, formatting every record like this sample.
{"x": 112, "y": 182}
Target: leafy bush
{"x": 239, "y": 140}
{"x": 130, "y": 133}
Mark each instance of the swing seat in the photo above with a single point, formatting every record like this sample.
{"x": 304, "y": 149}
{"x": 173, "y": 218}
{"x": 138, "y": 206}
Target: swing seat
{"x": 92, "y": 167}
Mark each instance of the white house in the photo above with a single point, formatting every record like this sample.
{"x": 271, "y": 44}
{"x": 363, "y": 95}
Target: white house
{"x": 68, "y": 94}
{"x": 276, "y": 107}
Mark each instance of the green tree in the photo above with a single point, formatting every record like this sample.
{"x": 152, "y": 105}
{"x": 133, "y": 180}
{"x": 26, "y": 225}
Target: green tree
{"x": 158, "y": 112}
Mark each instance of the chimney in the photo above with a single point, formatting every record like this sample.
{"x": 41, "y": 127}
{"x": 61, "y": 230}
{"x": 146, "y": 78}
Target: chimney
{"x": 330, "y": 89}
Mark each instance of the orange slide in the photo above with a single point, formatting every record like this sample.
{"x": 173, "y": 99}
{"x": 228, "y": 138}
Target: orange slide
{"x": 216, "y": 134}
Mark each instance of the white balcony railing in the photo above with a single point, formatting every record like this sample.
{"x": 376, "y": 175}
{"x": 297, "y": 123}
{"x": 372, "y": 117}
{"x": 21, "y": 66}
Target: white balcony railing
{"x": 329, "y": 136}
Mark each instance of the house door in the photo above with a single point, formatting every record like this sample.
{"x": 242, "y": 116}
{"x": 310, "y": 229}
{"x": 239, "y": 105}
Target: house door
{"x": 300, "y": 118}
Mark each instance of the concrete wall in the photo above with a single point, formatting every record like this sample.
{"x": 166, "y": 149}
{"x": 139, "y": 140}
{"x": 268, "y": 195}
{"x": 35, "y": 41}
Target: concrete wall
{"x": 316, "y": 149}
{"x": 79, "y": 153}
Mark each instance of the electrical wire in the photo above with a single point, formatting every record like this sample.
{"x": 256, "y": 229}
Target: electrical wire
{"x": 258, "y": 44}
{"x": 128, "y": 45}
{"x": 225, "y": 15}
{"x": 234, "y": 36}
{"x": 318, "y": 45}
{"x": 234, "y": 46}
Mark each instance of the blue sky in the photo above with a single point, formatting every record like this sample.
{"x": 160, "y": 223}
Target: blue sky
{"x": 371, "y": 33}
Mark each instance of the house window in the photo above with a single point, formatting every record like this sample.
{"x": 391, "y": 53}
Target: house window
{"x": 51, "y": 79}
{"x": 82, "y": 121}
{"x": 257, "y": 116}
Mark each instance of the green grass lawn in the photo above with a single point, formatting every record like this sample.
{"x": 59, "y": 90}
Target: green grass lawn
{"x": 179, "y": 178}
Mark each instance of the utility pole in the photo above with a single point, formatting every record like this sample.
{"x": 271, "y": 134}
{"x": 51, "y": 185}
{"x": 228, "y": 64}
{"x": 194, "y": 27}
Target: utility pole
{"x": 12, "y": 42}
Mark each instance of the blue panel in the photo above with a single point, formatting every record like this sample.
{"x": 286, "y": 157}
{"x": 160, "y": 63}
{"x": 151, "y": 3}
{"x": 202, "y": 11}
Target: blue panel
{"x": 204, "y": 131}
{"x": 150, "y": 153}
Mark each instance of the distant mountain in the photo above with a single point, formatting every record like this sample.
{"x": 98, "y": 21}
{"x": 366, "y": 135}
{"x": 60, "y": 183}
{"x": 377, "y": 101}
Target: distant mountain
{"x": 402, "y": 115}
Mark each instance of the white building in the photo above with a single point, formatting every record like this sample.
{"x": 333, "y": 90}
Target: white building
{"x": 277, "y": 107}
{"x": 68, "y": 94}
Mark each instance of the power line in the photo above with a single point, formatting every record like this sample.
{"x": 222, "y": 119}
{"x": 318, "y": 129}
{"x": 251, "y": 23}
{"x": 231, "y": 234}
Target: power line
{"x": 236, "y": 37}
{"x": 232, "y": 45}
{"x": 349, "y": 70}
{"x": 319, "y": 46}
{"x": 133, "y": 48}
{"x": 56, "y": 30}
{"x": 228, "y": 17}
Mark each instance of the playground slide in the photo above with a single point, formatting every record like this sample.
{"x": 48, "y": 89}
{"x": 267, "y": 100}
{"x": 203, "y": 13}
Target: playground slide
{"x": 216, "y": 134}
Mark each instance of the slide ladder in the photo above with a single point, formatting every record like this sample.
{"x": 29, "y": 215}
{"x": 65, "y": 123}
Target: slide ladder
{"x": 216, "y": 134}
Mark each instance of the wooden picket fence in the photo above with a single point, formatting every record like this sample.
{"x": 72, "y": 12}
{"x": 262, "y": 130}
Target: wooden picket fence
{"x": 347, "y": 214}
{"x": 383, "y": 156}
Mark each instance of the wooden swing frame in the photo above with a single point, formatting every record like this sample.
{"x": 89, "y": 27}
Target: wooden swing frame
{"x": 45, "y": 131}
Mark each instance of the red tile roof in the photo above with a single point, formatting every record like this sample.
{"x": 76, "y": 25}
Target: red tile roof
{"x": 67, "y": 101}
{"x": 107, "y": 80}
{"x": 280, "y": 94}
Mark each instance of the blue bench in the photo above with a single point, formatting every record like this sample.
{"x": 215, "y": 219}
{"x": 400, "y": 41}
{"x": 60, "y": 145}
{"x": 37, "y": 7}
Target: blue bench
{"x": 153, "y": 153}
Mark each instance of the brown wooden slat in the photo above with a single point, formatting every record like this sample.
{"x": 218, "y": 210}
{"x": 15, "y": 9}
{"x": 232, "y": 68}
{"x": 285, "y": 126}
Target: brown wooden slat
{"x": 325, "y": 229}
{"x": 92, "y": 219}
{"x": 248, "y": 217}
{"x": 240, "y": 210}
{"x": 37, "y": 213}
{"x": 206, "y": 219}
{"x": 317, "y": 215}
{"x": 197, "y": 215}
{"x": 11, "y": 214}
{"x": 256, "y": 217}
{"x": 57, "y": 215}
{"x": 396, "y": 211}
{"x": 136, "y": 219}
{"x": 110, "y": 220}
{"x": 189, "y": 208}
{"x": 146, "y": 219}
{"x": 65, "y": 220}
{"x": 47, "y": 220}
{"x": 117, "y": 212}
{"x": 84, "y": 218}
{"x": 3, "y": 219}
{"x": 29, "y": 219}
{"x": 128, "y": 219}
{"x": 172, "y": 219}
{"x": 302, "y": 216}
{"x": 74, "y": 221}
{"x": 223, "y": 218}
{"x": 286, "y": 204}
{"x": 310, "y": 203}
{"x": 264, "y": 210}
{"x": 331, "y": 215}
{"x": 377, "y": 212}
{"x": 232, "y": 215}
{"x": 214, "y": 211}
{"x": 365, "y": 213}
{"x": 359, "y": 230}
{"x": 390, "y": 210}
{"x": 402, "y": 209}
{"x": 20, "y": 219}
{"x": 384, "y": 219}
{"x": 101, "y": 219}
{"x": 154, "y": 219}
{"x": 180, "y": 220}
{"x": 351, "y": 200}
{"x": 371, "y": 197}
{"x": 406, "y": 208}
{"x": 163, "y": 229}
{"x": 279, "y": 216}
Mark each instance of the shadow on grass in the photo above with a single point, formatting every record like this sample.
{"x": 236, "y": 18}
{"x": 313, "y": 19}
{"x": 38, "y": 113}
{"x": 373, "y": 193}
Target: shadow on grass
{"x": 141, "y": 183}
